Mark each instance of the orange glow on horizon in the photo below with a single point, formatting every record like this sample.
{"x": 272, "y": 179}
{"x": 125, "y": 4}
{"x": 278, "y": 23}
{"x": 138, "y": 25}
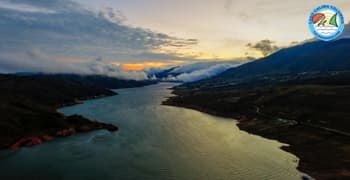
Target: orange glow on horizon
{"x": 136, "y": 67}
{"x": 141, "y": 66}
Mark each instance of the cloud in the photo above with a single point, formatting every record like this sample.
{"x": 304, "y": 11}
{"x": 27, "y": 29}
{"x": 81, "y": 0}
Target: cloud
{"x": 24, "y": 8}
{"x": 112, "y": 15}
{"x": 198, "y": 71}
{"x": 62, "y": 29}
{"x": 266, "y": 47}
{"x": 102, "y": 68}
{"x": 37, "y": 61}
{"x": 33, "y": 61}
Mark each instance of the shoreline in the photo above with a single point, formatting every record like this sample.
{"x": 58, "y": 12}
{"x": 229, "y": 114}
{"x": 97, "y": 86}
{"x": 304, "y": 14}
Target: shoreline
{"x": 30, "y": 109}
{"x": 85, "y": 125}
{"x": 30, "y": 106}
{"x": 302, "y": 140}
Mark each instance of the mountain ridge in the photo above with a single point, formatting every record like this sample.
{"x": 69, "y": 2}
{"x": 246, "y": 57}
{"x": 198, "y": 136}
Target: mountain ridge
{"x": 308, "y": 57}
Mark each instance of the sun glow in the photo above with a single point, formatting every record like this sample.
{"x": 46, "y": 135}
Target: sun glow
{"x": 144, "y": 65}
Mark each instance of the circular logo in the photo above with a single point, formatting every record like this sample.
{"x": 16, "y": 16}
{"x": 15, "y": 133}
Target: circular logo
{"x": 326, "y": 22}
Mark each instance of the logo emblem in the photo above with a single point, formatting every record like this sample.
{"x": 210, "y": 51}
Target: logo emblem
{"x": 326, "y": 22}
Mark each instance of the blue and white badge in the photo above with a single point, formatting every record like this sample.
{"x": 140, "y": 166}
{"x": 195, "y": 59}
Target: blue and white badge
{"x": 326, "y": 22}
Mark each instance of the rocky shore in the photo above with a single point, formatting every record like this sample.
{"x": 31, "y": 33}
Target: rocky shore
{"x": 80, "y": 125}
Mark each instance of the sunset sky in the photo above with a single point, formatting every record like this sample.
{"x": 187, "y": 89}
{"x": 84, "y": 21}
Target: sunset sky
{"x": 96, "y": 36}
{"x": 222, "y": 27}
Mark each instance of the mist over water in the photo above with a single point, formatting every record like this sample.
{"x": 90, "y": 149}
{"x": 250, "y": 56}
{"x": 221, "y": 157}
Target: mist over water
{"x": 154, "y": 142}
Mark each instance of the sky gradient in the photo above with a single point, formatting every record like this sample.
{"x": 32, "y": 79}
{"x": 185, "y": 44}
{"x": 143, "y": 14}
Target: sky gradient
{"x": 112, "y": 36}
{"x": 223, "y": 27}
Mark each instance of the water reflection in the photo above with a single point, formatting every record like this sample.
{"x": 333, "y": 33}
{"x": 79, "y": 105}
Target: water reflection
{"x": 154, "y": 142}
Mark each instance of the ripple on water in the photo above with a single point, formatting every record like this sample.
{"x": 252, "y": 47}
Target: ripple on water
{"x": 75, "y": 152}
{"x": 154, "y": 142}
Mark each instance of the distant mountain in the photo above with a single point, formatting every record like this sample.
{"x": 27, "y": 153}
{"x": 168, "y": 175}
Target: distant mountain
{"x": 193, "y": 72}
{"x": 98, "y": 80}
{"x": 308, "y": 57}
{"x": 164, "y": 73}
{"x": 298, "y": 95}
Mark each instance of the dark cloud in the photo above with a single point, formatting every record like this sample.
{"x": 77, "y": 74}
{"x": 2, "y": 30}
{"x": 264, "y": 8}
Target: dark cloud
{"x": 112, "y": 15}
{"x": 265, "y": 46}
{"x": 36, "y": 34}
{"x": 77, "y": 26}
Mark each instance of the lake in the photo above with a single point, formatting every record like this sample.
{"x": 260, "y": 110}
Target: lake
{"x": 154, "y": 142}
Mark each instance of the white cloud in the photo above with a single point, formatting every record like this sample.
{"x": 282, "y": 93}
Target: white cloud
{"x": 25, "y": 8}
{"x": 37, "y": 61}
{"x": 198, "y": 71}
{"x": 104, "y": 68}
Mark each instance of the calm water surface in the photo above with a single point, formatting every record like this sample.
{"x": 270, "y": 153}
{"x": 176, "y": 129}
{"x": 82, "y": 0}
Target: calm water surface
{"x": 154, "y": 142}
